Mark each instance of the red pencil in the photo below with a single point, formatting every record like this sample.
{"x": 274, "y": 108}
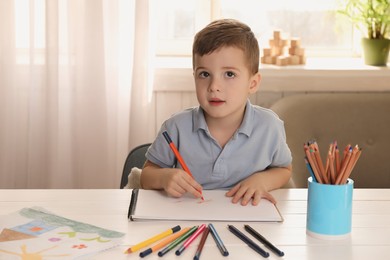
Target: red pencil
{"x": 190, "y": 239}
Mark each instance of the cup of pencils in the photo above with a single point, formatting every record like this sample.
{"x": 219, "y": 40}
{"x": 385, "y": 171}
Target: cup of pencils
{"x": 329, "y": 202}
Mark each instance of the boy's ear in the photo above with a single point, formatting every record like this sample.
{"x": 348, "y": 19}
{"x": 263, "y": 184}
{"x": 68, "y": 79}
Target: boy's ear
{"x": 254, "y": 83}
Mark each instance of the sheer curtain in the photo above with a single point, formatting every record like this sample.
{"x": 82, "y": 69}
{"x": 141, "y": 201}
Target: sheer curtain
{"x": 67, "y": 105}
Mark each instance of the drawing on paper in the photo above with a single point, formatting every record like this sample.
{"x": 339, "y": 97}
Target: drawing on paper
{"x": 29, "y": 233}
{"x": 24, "y": 255}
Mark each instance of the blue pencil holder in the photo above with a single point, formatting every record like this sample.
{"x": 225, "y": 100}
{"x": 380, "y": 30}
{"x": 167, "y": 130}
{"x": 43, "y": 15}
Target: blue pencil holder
{"x": 329, "y": 210}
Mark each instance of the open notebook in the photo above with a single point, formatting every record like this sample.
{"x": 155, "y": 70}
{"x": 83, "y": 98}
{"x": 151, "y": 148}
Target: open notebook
{"x": 157, "y": 205}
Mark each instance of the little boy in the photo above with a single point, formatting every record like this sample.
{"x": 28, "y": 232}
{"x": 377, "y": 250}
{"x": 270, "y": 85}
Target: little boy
{"x": 226, "y": 142}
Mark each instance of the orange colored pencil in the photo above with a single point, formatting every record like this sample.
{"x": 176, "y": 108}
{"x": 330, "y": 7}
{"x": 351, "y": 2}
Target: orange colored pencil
{"x": 178, "y": 156}
{"x": 344, "y": 165}
{"x": 320, "y": 164}
{"x": 350, "y": 165}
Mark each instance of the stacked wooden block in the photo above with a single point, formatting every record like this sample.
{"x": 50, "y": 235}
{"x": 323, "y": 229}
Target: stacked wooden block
{"x": 283, "y": 52}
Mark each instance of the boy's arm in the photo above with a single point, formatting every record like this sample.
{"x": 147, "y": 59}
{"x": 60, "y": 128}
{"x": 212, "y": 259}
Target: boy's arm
{"x": 174, "y": 181}
{"x": 259, "y": 184}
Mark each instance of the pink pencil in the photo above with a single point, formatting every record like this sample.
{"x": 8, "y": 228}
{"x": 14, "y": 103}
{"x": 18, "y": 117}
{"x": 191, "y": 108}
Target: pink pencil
{"x": 190, "y": 239}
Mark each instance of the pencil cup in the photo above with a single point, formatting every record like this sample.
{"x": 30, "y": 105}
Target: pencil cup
{"x": 329, "y": 210}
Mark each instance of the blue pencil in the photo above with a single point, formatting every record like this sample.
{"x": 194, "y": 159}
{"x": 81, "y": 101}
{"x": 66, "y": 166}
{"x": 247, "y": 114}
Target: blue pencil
{"x": 248, "y": 241}
{"x": 218, "y": 240}
{"x": 310, "y": 170}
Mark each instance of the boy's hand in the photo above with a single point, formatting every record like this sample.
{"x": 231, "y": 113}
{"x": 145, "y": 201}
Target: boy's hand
{"x": 251, "y": 188}
{"x": 176, "y": 182}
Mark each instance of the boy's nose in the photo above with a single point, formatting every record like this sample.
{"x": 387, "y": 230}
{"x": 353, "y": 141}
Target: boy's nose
{"x": 214, "y": 86}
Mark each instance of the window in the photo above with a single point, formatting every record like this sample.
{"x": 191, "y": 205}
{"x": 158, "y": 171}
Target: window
{"x": 30, "y": 30}
{"x": 315, "y": 22}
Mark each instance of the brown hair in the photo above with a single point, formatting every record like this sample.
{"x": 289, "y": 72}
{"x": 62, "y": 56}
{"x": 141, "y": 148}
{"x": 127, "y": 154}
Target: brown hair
{"x": 226, "y": 33}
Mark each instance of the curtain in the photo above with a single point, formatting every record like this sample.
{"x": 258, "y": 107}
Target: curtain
{"x": 67, "y": 91}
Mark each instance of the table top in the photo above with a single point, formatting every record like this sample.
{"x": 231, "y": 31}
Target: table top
{"x": 369, "y": 239}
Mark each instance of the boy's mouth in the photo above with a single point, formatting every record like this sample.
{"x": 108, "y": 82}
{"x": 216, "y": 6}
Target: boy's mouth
{"x": 216, "y": 102}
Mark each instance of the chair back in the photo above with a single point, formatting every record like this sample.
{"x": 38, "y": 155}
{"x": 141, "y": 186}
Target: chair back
{"x": 348, "y": 118}
{"x": 136, "y": 158}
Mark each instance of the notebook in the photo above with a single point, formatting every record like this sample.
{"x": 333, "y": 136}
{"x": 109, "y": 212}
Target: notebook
{"x": 158, "y": 205}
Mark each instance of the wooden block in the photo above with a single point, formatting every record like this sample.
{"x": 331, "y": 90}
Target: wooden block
{"x": 282, "y": 60}
{"x": 271, "y": 43}
{"x": 267, "y": 51}
{"x": 277, "y": 34}
{"x": 291, "y": 51}
{"x": 276, "y": 51}
{"x": 295, "y": 42}
{"x": 296, "y": 51}
{"x": 302, "y": 60}
{"x": 267, "y": 60}
{"x": 294, "y": 60}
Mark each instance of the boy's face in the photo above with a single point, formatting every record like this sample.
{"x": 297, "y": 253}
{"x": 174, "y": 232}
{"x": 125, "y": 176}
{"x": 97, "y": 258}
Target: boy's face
{"x": 223, "y": 83}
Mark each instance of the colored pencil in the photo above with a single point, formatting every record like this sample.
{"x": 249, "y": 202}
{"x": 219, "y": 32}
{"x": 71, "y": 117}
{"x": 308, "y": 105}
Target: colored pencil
{"x": 177, "y": 241}
{"x": 248, "y": 241}
{"x": 152, "y": 239}
{"x": 190, "y": 239}
{"x": 163, "y": 243}
{"x": 336, "y": 171}
{"x": 310, "y": 169}
{"x": 218, "y": 240}
{"x": 178, "y": 156}
{"x": 201, "y": 243}
{"x": 263, "y": 240}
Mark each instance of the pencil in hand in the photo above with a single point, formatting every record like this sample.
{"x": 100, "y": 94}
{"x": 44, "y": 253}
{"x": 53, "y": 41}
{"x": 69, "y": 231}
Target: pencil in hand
{"x": 178, "y": 156}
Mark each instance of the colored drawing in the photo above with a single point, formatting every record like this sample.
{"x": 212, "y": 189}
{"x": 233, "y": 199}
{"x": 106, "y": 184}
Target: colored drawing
{"x": 29, "y": 233}
{"x": 34, "y": 228}
{"x": 24, "y": 255}
{"x": 10, "y": 235}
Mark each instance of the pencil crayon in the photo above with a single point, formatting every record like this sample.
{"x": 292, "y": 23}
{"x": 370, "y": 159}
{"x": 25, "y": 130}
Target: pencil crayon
{"x": 177, "y": 241}
{"x": 218, "y": 240}
{"x": 248, "y": 241}
{"x": 152, "y": 239}
{"x": 164, "y": 242}
{"x": 201, "y": 243}
{"x": 178, "y": 156}
{"x": 263, "y": 240}
{"x": 190, "y": 239}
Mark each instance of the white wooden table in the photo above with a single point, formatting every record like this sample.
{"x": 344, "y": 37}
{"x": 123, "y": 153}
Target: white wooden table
{"x": 370, "y": 237}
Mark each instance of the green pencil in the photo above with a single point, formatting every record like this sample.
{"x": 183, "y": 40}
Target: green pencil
{"x": 177, "y": 241}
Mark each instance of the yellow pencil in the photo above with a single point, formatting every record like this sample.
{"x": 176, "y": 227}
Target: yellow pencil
{"x": 164, "y": 242}
{"x": 152, "y": 239}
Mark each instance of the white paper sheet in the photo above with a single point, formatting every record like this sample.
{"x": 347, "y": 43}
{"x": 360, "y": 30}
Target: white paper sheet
{"x": 157, "y": 205}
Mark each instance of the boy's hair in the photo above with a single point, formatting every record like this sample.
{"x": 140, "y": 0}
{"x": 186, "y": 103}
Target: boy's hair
{"x": 227, "y": 33}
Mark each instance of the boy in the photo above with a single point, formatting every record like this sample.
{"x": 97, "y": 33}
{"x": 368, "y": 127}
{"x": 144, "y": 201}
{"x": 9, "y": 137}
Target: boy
{"x": 226, "y": 142}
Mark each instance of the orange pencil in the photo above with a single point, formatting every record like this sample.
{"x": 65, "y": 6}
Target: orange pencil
{"x": 319, "y": 163}
{"x": 347, "y": 157}
{"x": 350, "y": 165}
{"x": 178, "y": 156}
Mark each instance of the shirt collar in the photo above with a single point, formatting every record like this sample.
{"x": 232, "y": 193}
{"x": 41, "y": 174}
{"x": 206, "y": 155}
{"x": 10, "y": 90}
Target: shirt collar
{"x": 245, "y": 128}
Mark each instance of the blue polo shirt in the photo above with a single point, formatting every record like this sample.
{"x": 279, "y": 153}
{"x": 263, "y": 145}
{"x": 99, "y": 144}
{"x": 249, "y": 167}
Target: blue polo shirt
{"x": 259, "y": 143}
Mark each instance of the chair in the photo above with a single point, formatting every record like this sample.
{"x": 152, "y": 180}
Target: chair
{"x": 136, "y": 158}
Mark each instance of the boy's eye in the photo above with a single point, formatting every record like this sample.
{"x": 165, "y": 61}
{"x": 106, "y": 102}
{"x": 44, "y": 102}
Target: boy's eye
{"x": 230, "y": 74}
{"x": 204, "y": 74}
